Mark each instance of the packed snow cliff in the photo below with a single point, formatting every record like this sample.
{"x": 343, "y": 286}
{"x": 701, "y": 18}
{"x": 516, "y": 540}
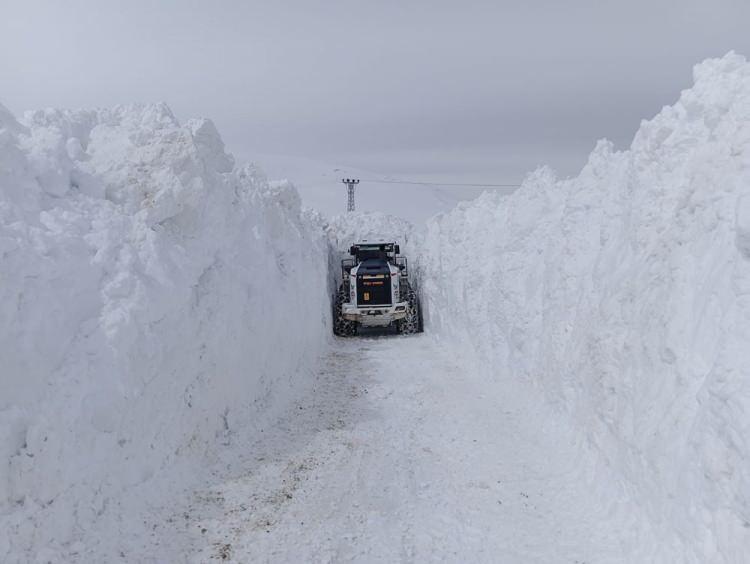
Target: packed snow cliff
{"x": 154, "y": 300}
{"x": 624, "y": 294}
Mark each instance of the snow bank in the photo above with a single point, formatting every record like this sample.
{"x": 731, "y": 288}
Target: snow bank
{"x": 624, "y": 294}
{"x": 153, "y": 300}
{"x": 345, "y": 229}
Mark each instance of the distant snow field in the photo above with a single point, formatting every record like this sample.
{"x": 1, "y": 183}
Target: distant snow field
{"x": 170, "y": 390}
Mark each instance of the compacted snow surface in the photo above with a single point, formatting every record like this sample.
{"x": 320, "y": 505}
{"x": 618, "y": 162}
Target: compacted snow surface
{"x": 405, "y": 452}
{"x": 171, "y": 392}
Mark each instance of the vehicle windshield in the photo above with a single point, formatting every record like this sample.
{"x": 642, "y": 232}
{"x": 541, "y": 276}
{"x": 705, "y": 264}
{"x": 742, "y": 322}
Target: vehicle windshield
{"x": 374, "y": 251}
{"x": 371, "y": 253}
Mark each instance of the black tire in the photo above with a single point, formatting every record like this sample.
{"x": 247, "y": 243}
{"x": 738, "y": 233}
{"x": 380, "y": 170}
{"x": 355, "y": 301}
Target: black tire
{"x": 342, "y": 327}
{"x": 412, "y": 322}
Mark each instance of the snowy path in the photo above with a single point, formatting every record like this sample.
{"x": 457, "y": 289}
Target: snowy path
{"x": 400, "y": 455}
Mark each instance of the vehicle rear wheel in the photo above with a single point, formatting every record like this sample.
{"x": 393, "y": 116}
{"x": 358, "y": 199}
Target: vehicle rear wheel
{"x": 342, "y": 327}
{"x": 411, "y": 323}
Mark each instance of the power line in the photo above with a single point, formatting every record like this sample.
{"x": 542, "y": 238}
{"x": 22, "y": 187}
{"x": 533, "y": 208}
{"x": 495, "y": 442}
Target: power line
{"x": 394, "y": 181}
{"x": 351, "y": 183}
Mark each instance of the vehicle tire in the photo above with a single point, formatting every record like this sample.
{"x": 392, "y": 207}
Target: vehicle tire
{"x": 411, "y": 323}
{"x": 342, "y": 327}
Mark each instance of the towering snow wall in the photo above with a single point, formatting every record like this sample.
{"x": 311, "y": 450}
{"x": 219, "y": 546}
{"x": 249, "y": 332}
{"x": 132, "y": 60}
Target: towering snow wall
{"x": 153, "y": 300}
{"x": 624, "y": 294}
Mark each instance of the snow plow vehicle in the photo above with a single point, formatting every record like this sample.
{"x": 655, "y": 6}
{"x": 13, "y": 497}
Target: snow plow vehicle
{"x": 375, "y": 291}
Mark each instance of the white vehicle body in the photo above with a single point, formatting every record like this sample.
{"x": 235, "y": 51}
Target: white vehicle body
{"x": 374, "y": 314}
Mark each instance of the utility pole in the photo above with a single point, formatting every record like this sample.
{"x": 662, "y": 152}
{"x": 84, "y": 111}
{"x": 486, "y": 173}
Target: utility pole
{"x": 350, "y": 184}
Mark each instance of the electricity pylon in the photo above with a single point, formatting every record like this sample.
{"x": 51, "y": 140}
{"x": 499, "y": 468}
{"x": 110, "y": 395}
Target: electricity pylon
{"x": 350, "y": 184}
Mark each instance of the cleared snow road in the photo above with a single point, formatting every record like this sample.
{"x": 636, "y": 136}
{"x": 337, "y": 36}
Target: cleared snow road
{"x": 403, "y": 454}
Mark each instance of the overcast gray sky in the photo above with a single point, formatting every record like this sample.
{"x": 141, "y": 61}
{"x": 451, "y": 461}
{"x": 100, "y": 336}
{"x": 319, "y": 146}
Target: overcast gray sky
{"x": 460, "y": 89}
